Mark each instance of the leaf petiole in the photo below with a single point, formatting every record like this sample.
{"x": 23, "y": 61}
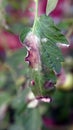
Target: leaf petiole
{"x": 36, "y": 15}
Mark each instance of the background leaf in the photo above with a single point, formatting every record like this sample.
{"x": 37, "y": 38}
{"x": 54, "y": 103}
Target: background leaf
{"x": 32, "y": 120}
{"x": 17, "y": 28}
{"x": 16, "y": 127}
{"x": 4, "y": 98}
{"x": 51, "y": 4}
{"x": 17, "y": 63}
{"x": 29, "y": 120}
{"x": 19, "y": 102}
{"x": 2, "y": 79}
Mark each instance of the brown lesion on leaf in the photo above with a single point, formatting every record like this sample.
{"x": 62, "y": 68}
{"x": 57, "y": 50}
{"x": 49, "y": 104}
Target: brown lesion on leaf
{"x": 32, "y": 43}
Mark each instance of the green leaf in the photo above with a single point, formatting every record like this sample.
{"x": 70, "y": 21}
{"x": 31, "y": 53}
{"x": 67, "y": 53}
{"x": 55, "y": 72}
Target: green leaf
{"x": 16, "y": 62}
{"x": 2, "y": 79}
{"x": 49, "y": 34}
{"x": 4, "y": 98}
{"x": 19, "y": 102}
{"x": 38, "y": 79}
{"x": 60, "y": 99}
{"x": 51, "y": 4}
{"x": 45, "y": 28}
{"x": 32, "y": 120}
{"x": 17, "y": 28}
{"x": 51, "y": 56}
{"x": 16, "y": 127}
{"x": 49, "y": 74}
{"x": 24, "y": 33}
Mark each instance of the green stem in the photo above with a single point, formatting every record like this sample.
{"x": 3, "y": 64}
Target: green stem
{"x": 36, "y": 12}
{"x": 36, "y": 15}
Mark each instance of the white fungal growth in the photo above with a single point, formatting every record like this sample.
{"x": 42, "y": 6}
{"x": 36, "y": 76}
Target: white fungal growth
{"x": 60, "y": 45}
{"x": 44, "y": 40}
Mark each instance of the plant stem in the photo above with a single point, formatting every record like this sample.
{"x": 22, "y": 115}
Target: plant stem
{"x": 36, "y": 15}
{"x": 36, "y": 11}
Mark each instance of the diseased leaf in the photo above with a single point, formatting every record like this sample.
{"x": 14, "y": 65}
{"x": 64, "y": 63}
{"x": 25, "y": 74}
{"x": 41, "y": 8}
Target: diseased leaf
{"x": 46, "y": 29}
{"x": 38, "y": 79}
{"x": 51, "y": 4}
{"x": 50, "y": 55}
{"x": 49, "y": 34}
